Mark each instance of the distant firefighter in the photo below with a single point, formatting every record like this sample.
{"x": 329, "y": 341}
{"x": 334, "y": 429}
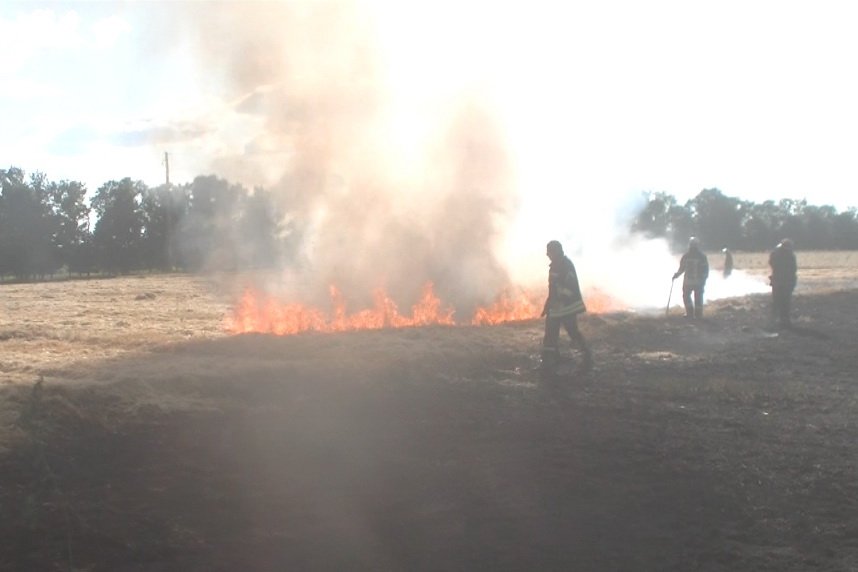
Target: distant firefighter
{"x": 783, "y": 279}
{"x": 728, "y": 262}
{"x": 695, "y": 266}
{"x": 562, "y": 307}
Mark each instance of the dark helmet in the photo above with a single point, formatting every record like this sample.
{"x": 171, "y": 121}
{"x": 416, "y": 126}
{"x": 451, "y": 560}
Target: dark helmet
{"x": 554, "y": 246}
{"x": 786, "y": 243}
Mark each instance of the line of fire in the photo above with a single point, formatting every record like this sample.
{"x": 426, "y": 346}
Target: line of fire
{"x": 258, "y": 312}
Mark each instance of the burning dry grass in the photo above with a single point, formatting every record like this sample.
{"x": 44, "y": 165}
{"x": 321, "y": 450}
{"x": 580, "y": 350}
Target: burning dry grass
{"x": 168, "y": 336}
{"x": 60, "y": 330}
{"x": 713, "y": 445}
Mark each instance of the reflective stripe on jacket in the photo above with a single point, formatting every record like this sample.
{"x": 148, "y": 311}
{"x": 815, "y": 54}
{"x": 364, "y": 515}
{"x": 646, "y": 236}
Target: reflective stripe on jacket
{"x": 566, "y": 310}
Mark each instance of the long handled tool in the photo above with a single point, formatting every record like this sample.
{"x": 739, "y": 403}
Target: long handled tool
{"x": 667, "y": 310}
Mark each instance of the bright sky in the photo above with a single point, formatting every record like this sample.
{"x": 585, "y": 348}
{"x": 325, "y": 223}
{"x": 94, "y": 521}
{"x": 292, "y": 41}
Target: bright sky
{"x": 754, "y": 97}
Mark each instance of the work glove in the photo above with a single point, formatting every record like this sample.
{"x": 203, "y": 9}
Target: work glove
{"x": 675, "y": 276}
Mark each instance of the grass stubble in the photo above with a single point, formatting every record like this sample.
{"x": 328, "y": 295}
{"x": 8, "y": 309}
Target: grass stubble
{"x": 763, "y": 423}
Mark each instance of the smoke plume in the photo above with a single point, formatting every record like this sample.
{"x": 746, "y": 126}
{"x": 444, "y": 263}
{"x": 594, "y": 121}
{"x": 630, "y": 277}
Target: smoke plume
{"x": 419, "y": 143}
{"x": 375, "y": 204}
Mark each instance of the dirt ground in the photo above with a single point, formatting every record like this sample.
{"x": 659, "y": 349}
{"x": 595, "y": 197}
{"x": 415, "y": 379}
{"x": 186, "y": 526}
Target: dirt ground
{"x": 135, "y": 434}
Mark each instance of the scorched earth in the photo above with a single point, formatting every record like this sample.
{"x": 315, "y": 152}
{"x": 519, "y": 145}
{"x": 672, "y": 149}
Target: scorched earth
{"x": 138, "y": 435}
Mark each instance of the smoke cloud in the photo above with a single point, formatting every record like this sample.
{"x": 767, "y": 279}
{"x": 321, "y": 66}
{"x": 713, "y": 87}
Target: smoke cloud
{"x": 378, "y": 201}
{"x": 413, "y": 144}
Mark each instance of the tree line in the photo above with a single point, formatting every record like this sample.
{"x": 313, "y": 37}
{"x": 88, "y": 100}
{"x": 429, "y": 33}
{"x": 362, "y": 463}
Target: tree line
{"x": 49, "y": 227}
{"x": 721, "y": 221}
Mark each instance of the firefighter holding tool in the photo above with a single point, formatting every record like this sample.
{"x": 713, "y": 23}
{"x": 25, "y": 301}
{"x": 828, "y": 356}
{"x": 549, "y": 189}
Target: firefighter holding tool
{"x": 562, "y": 307}
{"x": 695, "y": 266}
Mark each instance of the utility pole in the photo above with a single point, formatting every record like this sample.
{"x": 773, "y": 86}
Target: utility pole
{"x": 167, "y": 167}
{"x": 169, "y": 214}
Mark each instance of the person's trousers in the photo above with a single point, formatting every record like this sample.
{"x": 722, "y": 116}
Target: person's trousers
{"x": 551, "y": 341}
{"x": 693, "y": 309}
{"x": 781, "y": 302}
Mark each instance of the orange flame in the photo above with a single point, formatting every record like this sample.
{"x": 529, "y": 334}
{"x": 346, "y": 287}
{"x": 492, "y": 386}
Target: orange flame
{"x": 508, "y": 308}
{"x": 262, "y": 313}
{"x": 259, "y": 313}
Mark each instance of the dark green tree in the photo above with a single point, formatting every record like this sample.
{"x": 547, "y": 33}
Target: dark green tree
{"x": 717, "y": 218}
{"x": 26, "y": 225}
{"x": 818, "y": 225}
{"x": 845, "y": 230}
{"x": 163, "y": 208}
{"x": 208, "y": 234}
{"x": 119, "y": 227}
{"x": 45, "y": 251}
{"x": 71, "y": 213}
{"x": 761, "y": 224}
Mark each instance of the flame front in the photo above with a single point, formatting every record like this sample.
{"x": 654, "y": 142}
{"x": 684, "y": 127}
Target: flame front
{"x": 509, "y": 307}
{"x": 257, "y": 312}
{"x": 265, "y": 314}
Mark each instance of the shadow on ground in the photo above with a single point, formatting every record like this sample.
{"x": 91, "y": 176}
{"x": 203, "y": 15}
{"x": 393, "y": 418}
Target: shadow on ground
{"x": 691, "y": 447}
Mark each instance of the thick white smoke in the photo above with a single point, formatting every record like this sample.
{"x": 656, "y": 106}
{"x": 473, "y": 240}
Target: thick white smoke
{"x": 424, "y": 143}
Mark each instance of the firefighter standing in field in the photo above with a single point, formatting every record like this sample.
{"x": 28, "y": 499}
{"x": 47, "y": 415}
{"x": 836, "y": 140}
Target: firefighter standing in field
{"x": 695, "y": 266}
{"x": 783, "y": 279}
{"x": 562, "y": 307}
{"x": 728, "y": 262}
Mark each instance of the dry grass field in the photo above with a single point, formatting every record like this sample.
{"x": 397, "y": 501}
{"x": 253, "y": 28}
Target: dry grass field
{"x": 820, "y": 271}
{"x": 137, "y": 434}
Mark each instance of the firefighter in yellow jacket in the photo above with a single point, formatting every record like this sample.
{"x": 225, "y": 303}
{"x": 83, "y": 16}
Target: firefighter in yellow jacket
{"x": 562, "y": 307}
{"x": 695, "y": 266}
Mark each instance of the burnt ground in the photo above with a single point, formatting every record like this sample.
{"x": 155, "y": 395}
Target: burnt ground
{"x": 715, "y": 445}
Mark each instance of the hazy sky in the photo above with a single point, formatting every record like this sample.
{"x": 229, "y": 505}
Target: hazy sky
{"x": 755, "y": 98}
{"x": 592, "y": 99}
{"x": 446, "y": 141}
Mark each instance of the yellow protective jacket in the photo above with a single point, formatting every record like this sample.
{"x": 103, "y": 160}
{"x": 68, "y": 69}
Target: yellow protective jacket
{"x": 564, "y": 292}
{"x": 695, "y": 266}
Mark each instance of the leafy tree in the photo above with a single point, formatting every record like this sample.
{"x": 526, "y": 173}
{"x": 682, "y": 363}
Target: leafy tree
{"x": 845, "y": 230}
{"x": 680, "y": 226}
{"x": 654, "y": 218}
{"x": 717, "y": 218}
{"x": 163, "y": 208}
{"x": 118, "y": 230}
{"x": 761, "y": 225}
{"x": 45, "y": 255}
{"x": 83, "y": 259}
{"x": 71, "y": 213}
{"x": 208, "y": 235}
{"x": 212, "y": 223}
{"x": 26, "y": 225}
{"x": 818, "y": 225}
